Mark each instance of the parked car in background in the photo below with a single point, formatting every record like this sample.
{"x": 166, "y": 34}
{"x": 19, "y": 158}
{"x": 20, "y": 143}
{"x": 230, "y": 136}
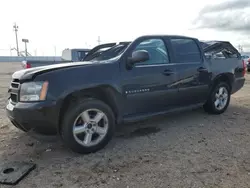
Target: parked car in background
{"x": 68, "y": 55}
{"x": 124, "y": 82}
{"x": 246, "y": 59}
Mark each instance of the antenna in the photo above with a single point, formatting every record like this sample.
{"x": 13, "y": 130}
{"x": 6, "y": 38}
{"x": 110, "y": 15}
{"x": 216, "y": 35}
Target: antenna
{"x": 99, "y": 40}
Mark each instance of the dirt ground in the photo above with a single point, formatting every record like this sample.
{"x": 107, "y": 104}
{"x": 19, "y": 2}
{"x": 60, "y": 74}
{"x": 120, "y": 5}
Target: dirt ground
{"x": 189, "y": 149}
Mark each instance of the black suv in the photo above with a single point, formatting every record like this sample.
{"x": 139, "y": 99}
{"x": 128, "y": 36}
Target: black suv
{"x": 124, "y": 82}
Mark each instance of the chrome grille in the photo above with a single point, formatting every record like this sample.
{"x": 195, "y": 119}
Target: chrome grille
{"x": 14, "y": 90}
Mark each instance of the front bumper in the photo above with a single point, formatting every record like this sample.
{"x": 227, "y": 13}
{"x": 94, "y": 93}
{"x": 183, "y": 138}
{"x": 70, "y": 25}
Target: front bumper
{"x": 40, "y": 116}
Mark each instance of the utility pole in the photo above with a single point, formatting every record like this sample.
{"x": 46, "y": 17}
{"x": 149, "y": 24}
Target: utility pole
{"x": 10, "y": 51}
{"x": 240, "y": 48}
{"x": 55, "y": 50}
{"x": 25, "y": 42}
{"x": 15, "y": 27}
{"x": 99, "y": 40}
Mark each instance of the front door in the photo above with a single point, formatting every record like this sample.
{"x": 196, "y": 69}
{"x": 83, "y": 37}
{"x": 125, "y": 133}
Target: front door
{"x": 150, "y": 86}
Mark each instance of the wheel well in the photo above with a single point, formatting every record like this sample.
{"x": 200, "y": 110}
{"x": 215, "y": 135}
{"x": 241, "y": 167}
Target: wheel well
{"x": 101, "y": 93}
{"x": 227, "y": 77}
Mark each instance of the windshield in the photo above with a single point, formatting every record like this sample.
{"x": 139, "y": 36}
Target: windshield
{"x": 105, "y": 54}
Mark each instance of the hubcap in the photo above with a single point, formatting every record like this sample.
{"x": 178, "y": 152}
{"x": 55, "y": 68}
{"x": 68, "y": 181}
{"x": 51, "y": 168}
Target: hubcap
{"x": 221, "y": 98}
{"x": 90, "y": 127}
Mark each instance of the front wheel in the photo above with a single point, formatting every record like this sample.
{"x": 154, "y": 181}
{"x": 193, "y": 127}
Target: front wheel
{"x": 88, "y": 126}
{"x": 219, "y": 99}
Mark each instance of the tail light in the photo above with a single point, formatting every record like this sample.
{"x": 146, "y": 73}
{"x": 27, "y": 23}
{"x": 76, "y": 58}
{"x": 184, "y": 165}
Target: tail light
{"x": 27, "y": 66}
{"x": 244, "y": 68}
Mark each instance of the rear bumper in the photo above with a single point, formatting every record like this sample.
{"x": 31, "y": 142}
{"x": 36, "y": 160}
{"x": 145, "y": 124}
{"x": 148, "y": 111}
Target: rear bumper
{"x": 238, "y": 84}
{"x": 41, "y": 116}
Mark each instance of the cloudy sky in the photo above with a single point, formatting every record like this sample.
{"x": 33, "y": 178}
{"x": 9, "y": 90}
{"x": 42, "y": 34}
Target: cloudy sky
{"x": 52, "y": 25}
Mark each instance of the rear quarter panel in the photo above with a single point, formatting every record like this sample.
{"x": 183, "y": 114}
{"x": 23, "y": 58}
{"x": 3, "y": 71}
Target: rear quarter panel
{"x": 232, "y": 67}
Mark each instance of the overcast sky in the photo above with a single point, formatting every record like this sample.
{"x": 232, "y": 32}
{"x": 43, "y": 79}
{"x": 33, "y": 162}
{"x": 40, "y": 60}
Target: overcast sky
{"x": 52, "y": 25}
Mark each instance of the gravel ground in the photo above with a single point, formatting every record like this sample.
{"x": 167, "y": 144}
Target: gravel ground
{"x": 189, "y": 149}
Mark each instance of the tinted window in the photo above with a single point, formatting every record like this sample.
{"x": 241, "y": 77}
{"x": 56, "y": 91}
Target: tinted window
{"x": 186, "y": 50}
{"x": 156, "y": 49}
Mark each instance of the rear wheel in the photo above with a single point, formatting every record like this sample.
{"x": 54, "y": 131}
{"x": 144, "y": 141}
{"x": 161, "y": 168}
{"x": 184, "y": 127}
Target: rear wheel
{"x": 88, "y": 126}
{"x": 219, "y": 99}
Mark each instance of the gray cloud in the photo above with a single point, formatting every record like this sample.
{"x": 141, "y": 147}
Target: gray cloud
{"x": 229, "y": 5}
{"x": 232, "y": 16}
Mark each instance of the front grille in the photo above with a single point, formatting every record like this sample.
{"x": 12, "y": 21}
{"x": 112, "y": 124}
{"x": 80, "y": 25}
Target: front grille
{"x": 14, "y": 90}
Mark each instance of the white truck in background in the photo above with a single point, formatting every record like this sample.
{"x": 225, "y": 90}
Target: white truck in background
{"x": 68, "y": 55}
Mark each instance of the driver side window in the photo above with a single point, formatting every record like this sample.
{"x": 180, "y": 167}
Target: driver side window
{"x": 157, "y": 51}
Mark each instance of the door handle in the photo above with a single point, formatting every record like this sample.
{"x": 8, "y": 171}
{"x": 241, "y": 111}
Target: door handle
{"x": 168, "y": 72}
{"x": 202, "y": 69}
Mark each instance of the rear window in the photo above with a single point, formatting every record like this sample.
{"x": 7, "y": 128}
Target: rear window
{"x": 186, "y": 50}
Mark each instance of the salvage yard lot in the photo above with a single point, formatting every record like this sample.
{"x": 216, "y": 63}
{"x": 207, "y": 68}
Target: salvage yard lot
{"x": 188, "y": 149}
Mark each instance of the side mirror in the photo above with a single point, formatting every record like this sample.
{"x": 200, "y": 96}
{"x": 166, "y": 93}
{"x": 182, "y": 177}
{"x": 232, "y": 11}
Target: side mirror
{"x": 137, "y": 57}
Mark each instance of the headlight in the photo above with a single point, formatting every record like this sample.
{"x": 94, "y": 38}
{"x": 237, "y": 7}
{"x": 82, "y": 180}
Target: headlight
{"x": 33, "y": 91}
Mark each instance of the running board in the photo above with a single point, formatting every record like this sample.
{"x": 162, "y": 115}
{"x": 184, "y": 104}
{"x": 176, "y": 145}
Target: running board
{"x": 140, "y": 117}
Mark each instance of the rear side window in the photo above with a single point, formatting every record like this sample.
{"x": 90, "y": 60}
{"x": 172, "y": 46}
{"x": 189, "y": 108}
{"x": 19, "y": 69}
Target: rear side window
{"x": 185, "y": 50}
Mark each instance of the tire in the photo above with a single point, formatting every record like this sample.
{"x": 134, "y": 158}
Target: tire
{"x": 79, "y": 142}
{"x": 210, "y": 105}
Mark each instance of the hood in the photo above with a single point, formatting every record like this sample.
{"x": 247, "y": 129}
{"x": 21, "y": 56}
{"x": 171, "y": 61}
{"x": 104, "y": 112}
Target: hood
{"x": 28, "y": 74}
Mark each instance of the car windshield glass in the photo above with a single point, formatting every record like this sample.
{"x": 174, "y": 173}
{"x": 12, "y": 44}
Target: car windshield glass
{"x": 109, "y": 53}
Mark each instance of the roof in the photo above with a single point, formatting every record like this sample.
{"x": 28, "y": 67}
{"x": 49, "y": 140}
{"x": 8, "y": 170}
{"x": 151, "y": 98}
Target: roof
{"x": 164, "y": 35}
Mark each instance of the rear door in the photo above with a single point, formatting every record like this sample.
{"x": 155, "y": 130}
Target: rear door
{"x": 192, "y": 70}
{"x": 150, "y": 86}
